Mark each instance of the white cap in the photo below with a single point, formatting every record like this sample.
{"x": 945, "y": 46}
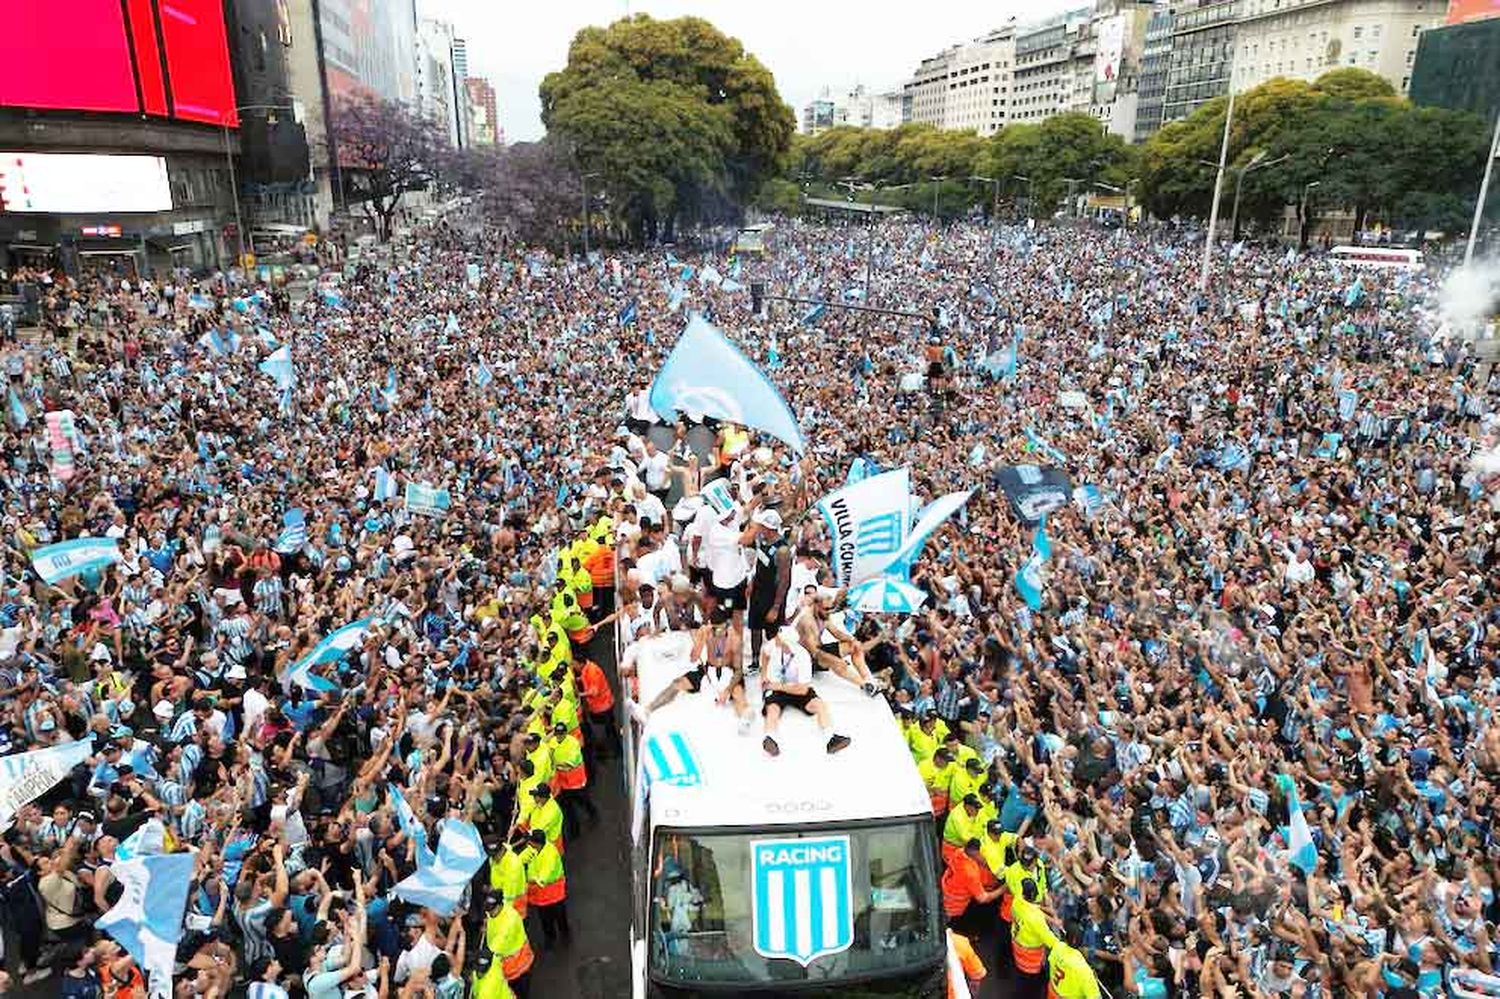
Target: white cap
{"x": 769, "y": 519}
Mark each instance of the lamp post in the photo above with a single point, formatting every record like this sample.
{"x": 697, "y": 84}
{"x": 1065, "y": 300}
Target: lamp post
{"x": 585, "y": 178}
{"x": 936, "y": 181}
{"x": 1302, "y": 212}
{"x": 1257, "y": 161}
{"x": 1484, "y": 192}
{"x": 994, "y": 218}
{"x": 234, "y": 189}
{"x": 1213, "y": 211}
{"x": 1030, "y": 192}
{"x": 854, "y": 184}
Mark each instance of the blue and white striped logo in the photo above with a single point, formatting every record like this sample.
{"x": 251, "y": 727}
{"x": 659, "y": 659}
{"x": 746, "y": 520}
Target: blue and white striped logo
{"x": 669, "y": 759}
{"x": 801, "y": 902}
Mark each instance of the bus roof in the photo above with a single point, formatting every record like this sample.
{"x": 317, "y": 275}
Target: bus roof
{"x": 720, "y": 778}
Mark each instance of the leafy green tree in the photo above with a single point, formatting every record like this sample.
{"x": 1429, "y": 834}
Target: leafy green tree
{"x": 679, "y": 120}
{"x": 1352, "y": 84}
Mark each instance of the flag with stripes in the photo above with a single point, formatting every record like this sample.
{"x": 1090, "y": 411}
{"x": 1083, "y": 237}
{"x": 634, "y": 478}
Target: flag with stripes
{"x": 147, "y": 920}
{"x": 814, "y": 314}
{"x": 628, "y": 314}
{"x": 293, "y": 532}
{"x": 802, "y": 904}
{"x": 483, "y": 376}
{"x": 18, "y": 418}
{"x": 385, "y": 484}
{"x": 669, "y": 759}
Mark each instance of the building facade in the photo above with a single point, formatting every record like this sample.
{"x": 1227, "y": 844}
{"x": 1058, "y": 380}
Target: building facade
{"x": 1050, "y": 67}
{"x": 1156, "y": 60}
{"x": 461, "y": 90}
{"x": 1303, "y": 39}
{"x": 1202, "y": 55}
{"x": 967, "y": 86}
{"x": 1457, "y": 66}
{"x": 858, "y": 107}
{"x": 437, "y": 86}
{"x": 484, "y": 122}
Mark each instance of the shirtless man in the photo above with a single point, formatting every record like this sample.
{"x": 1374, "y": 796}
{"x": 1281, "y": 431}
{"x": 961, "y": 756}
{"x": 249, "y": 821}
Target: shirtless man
{"x": 812, "y": 622}
{"x": 717, "y": 658}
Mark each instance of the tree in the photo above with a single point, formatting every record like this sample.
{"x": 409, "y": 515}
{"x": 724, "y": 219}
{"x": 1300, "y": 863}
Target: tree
{"x": 1351, "y": 84}
{"x": 384, "y": 150}
{"x": 681, "y": 122}
{"x": 1063, "y": 154}
{"x": 535, "y": 193}
{"x": 468, "y": 169}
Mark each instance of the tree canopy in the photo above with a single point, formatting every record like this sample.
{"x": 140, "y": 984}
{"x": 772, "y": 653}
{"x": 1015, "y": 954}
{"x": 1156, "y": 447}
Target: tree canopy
{"x": 384, "y": 150}
{"x": 680, "y": 122}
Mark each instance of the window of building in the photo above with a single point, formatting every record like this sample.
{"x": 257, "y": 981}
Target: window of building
{"x": 1405, "y": 82}
{"x": 1372, "y": 56}
{"x": 1416, "y": 29}
{"x": 1410, "y": 55}
{"x": 1359, "y": 32}
{"x": 1375, "y": 31}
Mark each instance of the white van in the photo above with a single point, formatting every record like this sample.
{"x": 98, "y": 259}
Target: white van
{"x": 807, "y": 874}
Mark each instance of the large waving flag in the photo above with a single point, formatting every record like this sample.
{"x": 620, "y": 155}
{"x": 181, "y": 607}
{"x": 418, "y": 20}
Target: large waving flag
{"x": 331, "y": 649}
{"x": 54, "y": 563}
{"x": 629, "y": 314}
{"x": 278, "y": 364}
{"x": 293, "y": 532}
{"x": 18, "y": 416}
{"x": 929, "y": 520}
{"x": 25, "y": 777}
{"x": 868, "y": 521}
{"x": 415, "y": 831}
{"x": 707, "y": 374}
{"x": 147, "y": 920}
{"x": 1040, "y": 545}
{"x": 385, "y": 483}
{"x": 427, "y": 500}
{"x": 1028, "y": 582}
{"x": 441, "y": 885}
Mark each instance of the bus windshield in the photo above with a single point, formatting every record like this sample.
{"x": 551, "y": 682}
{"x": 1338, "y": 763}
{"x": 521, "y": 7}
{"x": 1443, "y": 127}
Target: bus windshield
{"x": 794, "y": 906}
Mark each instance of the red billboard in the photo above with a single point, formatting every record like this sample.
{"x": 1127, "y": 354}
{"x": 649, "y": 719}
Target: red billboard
{"x": 1472, "y": 10}
{"x": 167, "y": 58}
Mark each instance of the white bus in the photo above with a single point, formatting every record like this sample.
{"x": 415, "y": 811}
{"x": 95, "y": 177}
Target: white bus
{"x": 802, "y": 875}
{"x": 1378, "y": 256}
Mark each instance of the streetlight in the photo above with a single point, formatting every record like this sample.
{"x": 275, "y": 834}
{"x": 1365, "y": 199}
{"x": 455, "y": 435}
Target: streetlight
{"x": 1484, "y": 191}
{"x": 585, "y": 178}
{"x": 994, "y": 218}
{"x": 935, "y": 188}
{"x": 855, "y": 184}
{"x": 1030, "y": 192}
{"x": 234, "y": 189}
{"x": 1213, "y": 211}
{"x": 1072, "y": 202}
{"x": 1302, "y": 212}
{"x": 1256, "y": 161}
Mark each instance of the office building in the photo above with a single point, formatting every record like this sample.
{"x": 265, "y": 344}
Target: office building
{"x": 461, "y": 90}
{"x": 1201, "y": 57}
{"x": 437, "y": 84}
{"x": 125, "y": 168}
{"x": 484, "y": 122}
{"x": 1156, "y": 59}
{"x": 1047, "y": 81}
{"x": 1303, "y": 39}
{"x": 967, "y": 86}
{"x": 858, "y": 108}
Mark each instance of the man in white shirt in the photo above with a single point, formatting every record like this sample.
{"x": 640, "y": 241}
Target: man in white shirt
{"x": 786, "y": 682}
{"x": 639, "y": 416}
{"x": 656, "y": 471}
{"x": 725, "y": 564}
{"x": 421, "y": 950}
{"x": 1299, "y": 567}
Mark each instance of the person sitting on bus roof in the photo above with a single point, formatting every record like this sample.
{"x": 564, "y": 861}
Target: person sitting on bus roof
{"x": 786, "y": 682}
{"x": 716, "y": 657}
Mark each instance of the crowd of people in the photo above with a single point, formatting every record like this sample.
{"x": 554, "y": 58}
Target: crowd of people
{"x": 1310, "y": 627}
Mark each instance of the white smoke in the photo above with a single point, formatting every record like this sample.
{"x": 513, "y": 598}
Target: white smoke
{"x": 1468, "y": 297}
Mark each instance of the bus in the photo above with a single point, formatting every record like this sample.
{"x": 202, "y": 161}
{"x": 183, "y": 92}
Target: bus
{"x": 1378, "y": 256}
{"x": 752, "y": 238}
{"x": 807, "y": 874}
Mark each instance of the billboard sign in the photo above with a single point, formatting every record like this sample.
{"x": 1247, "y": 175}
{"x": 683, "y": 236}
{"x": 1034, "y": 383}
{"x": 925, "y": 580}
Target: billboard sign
{"x": 167, "y": 58}
{"x": 1109, "y": 53}
{"x": 83, "y": 183}
{"x": 1460, "y": 11}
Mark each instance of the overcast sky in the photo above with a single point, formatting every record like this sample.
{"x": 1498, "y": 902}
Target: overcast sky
{"x": 807, "y": 44}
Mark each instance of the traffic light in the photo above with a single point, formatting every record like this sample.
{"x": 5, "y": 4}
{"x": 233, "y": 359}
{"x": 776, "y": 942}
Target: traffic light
{"x": 757, "y": 297}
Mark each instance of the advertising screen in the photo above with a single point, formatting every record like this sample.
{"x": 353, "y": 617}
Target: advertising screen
{"x": 198, "y": 60}
{"x": 116, "y": 51}
{"x": 95, "y": 76}
{"x": 83, "y": 183}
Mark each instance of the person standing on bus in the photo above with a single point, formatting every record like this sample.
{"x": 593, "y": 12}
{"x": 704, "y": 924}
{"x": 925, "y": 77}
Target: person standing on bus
{"x": 786, "y": 682}
{"x": 770, "y": 577}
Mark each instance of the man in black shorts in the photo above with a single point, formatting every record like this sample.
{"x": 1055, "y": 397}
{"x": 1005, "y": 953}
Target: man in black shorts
{"x": 786, "y": 682}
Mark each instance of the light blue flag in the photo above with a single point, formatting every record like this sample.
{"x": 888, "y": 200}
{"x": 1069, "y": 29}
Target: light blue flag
{"x": 1089, "y": 499}
{"x": 1028, "y": 582}
{"x": 293, "y": 532}
{"x": 441, "y": 885}
{"x": 278, "y": 364}
{"x": 731, "y": 285}
{"x": 331, "y": 649}
{"x": 707, "y": 374}
{"x": 1233, "y": 456}
{"x": 147, "y": 841}
{"x": 628, "y": 315}
{"x": 814, "y": 314}
{"x": 710, "y": 275}
{"x": 483, "y": 376}
{"x": 18, "y": 417}
{"x": 427, "y": 500}
{"x": 24, "y": 777}
{"x": 1348, "y": 403}
{"x": 929, "y": 519}
{"x": 1329, "y": 446}
{"x": 412, "y": 826}
{"x": 451, "y": 326}
{"x": 385, "y": 484}
{"x": 54, "y": 563}
{"x": 1355, "y": 293}
{"x": 1041, "y": 546}
{"x": 266, "y": 336}
{"x": 687, "y": 273}
{"x": 859, "y": 469}
{"x": 1302, "y": 853}
{"x": 1163, "y": 459}
{"x": 1041, "y": 446}
{"x": 147, "y": 920}
{"x": 213, "y": 341}
{"x": 675, "y": 297}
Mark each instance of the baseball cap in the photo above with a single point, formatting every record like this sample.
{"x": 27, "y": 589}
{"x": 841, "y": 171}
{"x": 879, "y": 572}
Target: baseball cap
{"x": 769, "y": 519}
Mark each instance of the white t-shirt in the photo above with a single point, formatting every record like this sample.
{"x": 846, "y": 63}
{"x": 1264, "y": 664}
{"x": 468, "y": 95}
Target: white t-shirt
{"x": 723, "y": 556}
{"x": 255, "y": 704}
{"x": 658, "y": 565}
{"x": 638, "y": 405}
{"x": 650, "y": 508}
{"x": 654, "y": 469}
{"x": 802, "y": 577}
{"x": 420, "y": 956}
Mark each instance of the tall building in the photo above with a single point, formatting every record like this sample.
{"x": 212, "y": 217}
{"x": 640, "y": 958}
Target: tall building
{"x": 859, "y": 107}
{"x": 461, "y": 90}
{"x": 1156, "y": 60}
{"x": 437, "y": 92}
{"x": 1303, "y": 39}
{"x": 1202, "y": 56}
{"x": 1048, "y": 62}
{"x": 484, "y": 123}
{"x": 369, "y": 46}
{"x": 125, "y": 168}
{"x": 967, "y": 86}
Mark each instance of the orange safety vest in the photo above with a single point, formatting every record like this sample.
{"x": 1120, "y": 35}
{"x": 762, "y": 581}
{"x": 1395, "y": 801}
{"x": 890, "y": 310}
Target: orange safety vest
{"x": 597, "y": 697}
{"x": 960, "y": 882}
{"x": 601, "y": 565}
{"x": 515, "y": 965}
{"x": 548, "y": 894}
{"x": 1028, "y": 959}
{"x": 572, "y": 778}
